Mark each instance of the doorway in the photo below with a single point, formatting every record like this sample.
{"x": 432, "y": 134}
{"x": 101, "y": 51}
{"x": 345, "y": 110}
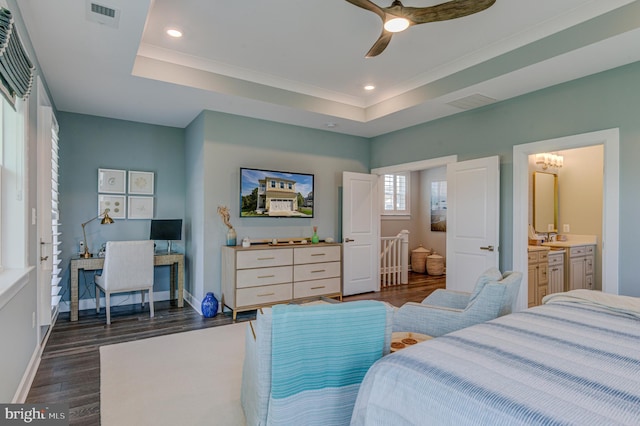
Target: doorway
{"x": 419, "y": 169}
{"x": 610, "y": 139}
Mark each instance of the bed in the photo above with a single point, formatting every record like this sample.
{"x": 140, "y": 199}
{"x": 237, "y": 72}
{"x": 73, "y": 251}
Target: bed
{"x": 574, "y": 360}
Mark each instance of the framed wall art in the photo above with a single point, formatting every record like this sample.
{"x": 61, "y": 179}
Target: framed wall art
{"x": 140, "y": 207}
{"x": 140, "y": 183}
{"x": 117, "y": 205}
{"x": 112, "y": 181}
{"x": 439, "y": 206}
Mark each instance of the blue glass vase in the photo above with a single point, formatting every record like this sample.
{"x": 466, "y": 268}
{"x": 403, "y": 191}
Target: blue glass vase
{"x": 209, "y": 306}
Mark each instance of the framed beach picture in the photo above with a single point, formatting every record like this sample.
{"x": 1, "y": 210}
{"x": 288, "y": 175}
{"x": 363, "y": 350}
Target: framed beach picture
{"x": 140, "y": 207}
{"x": 439, "y": 206}
{"x": 112, "y": 181}
{"x": 117, "y": 205}
{"x": 140, "y": 183}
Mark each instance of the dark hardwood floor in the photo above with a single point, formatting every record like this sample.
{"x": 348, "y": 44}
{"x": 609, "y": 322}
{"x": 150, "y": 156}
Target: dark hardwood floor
{"x": 69, "y": 371}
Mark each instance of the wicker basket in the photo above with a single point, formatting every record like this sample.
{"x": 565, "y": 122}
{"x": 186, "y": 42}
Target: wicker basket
{"x": 435, "y": 264}
{"x": 419, "y": 259}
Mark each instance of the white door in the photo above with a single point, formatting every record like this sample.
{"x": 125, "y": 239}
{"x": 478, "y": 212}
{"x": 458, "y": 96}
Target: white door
{"x": 361, "y": 233}
{"x": 473, "y": 220}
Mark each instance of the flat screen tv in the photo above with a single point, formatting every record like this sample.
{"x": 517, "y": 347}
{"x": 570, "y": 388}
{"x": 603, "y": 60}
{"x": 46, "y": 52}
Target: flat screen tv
{"x": 270, "y": 193}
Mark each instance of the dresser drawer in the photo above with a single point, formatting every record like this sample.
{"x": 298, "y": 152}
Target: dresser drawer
{"x": 532, "y": 257}
{"x": 264, "y": 276}
{"x": 316, "y": 271}
{"x": 316, "y": 288}
{"x": 261, "y": 258}
{"x": 265, "y": 295}
{"x": 316, "y": 254}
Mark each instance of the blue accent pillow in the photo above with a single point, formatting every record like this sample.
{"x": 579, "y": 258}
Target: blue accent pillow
{"x": 492, "y": 274}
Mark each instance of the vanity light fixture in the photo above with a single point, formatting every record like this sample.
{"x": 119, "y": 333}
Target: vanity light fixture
{"x": 547, "y": 160}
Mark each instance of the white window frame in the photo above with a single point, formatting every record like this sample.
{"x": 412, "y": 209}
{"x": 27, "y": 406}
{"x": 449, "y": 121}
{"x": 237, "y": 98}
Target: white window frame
{"x": 395, "y": 212}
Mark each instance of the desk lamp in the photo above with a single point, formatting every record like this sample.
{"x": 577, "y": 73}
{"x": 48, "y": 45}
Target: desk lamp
{"x": 106, "y": 220}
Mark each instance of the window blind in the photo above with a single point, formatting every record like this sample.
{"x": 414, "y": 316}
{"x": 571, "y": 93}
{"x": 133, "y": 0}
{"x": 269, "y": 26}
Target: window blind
{"x": 55, "y": 221}
{"x": 16, "y": 69}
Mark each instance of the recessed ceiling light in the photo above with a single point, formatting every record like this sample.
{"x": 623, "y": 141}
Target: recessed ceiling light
{"x": 174, "y": 32}
{"x": 369, "y": 87}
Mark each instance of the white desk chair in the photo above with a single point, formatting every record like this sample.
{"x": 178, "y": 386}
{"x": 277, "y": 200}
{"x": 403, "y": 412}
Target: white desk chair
{"x": 128, "y": 266}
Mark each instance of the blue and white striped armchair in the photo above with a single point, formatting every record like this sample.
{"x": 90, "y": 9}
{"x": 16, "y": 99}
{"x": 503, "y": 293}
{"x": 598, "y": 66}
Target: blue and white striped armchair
{"x": 444, "y": 311}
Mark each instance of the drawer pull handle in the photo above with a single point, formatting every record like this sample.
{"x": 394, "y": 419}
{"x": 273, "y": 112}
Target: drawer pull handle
{"x": 266, "y": 276}
{"x": 265, "y": 295}
{"x": 266, "y": 258}
{"x": 318, "y": 254}
{"x": 318, "y": 270}
{"x": 317, "y": 288}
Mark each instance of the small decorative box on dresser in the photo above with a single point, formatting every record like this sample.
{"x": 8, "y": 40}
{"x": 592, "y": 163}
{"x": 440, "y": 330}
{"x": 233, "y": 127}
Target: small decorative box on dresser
{"x": 265, "y": 275}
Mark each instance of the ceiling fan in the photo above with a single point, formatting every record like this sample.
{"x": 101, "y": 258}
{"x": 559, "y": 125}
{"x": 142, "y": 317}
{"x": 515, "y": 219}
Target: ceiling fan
{"x": 397, "y": 17}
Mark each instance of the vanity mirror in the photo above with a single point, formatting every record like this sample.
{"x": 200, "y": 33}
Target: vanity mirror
{"x": 545, "y": 202}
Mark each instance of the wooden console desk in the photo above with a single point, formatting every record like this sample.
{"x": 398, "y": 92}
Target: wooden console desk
{"x": 175, "y": 260}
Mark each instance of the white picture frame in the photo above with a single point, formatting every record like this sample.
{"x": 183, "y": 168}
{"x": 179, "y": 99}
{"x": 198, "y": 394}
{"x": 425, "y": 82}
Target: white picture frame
{"x": 117, "y": 205}
{"x": 112, "y": 181}
{"x": 140, "y": 207}
{"x": 140, "y": 183}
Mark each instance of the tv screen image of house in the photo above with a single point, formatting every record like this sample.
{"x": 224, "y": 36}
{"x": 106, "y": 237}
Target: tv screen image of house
{"x": 270, "y": 193}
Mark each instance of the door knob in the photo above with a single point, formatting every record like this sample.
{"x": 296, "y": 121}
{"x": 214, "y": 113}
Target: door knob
{"x": 488, "y": 248}
{"x": 348, "y": 240}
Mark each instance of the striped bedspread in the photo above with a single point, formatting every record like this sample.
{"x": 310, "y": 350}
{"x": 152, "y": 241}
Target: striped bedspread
{"x": 563, "y": 363}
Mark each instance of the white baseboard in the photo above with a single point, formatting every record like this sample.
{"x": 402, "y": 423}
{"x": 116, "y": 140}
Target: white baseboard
{"x": 193, "y": 301}
{"x": 32, "y": 368}
{"x": 116, "y": 300}
{"x": 132, "y": 299}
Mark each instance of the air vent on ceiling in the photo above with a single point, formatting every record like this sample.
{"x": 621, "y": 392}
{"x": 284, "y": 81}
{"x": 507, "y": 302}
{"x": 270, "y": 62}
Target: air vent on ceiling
{"x": 472, "y": 101}
{"x": 103, "y": 14}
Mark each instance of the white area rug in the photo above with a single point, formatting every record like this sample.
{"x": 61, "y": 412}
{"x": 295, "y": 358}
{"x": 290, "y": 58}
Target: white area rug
{"x": 190, "y": 378}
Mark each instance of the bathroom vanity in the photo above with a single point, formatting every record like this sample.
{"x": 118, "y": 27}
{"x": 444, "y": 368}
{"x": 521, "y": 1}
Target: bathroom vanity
{"x": 579, "y": 261}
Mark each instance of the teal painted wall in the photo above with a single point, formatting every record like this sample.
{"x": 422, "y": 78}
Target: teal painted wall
{"x": 88, "y": 143}
{"x": 606, "y": 100}
{"x": 216, "y": 145}
{"x": 231, "y": 142}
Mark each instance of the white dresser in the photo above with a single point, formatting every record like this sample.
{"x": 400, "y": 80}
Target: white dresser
{"x": 265, "y": 275}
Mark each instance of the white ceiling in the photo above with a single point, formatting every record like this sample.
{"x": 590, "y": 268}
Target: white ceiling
{"x": 302, "y": 62}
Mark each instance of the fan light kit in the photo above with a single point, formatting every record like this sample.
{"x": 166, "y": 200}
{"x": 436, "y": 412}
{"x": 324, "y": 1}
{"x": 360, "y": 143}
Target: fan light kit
{"x": 396, "y": 25}
{"x": 396, "y": 17}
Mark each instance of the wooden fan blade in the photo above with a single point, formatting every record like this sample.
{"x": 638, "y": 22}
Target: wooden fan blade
{"x": 368, "y": 5}
{"x": 445, "y": 11}
{"x": 380, "y": 44}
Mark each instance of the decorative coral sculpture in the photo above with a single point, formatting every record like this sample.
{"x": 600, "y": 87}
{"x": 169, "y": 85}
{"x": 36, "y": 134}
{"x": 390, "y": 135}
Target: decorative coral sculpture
{"x": 223, "y": 211}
